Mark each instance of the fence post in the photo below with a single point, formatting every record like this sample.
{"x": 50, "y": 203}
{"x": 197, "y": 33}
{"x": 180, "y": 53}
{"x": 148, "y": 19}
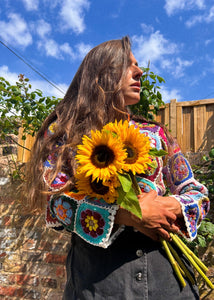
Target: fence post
{"x": 173, "y": 117}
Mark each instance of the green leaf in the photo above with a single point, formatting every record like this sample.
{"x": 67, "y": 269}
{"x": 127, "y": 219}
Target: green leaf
{"x": 155, "y": 152}
{"x": 211, "y": 153}
{"x": 126, "y": 181}
{"x": 129, "y": 201}
{"x": 202, "y": 241}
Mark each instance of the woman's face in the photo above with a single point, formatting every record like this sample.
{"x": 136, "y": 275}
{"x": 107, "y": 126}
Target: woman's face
{"x": 131, "y": 82}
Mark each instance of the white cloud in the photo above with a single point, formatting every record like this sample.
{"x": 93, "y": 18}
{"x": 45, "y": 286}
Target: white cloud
{"x": 154, "y": 48}
{"x": 82, "y": 50}
{"x": 51, "y": 4}
{"x": 65, "y": 48}
{"x": 72, "y": 14}
{"x": 194, "y": 20}
{"x": 49, "y": 90}
{"x": 161, "y": 53}
{"x": 210, "y": 17}
{"x": 46, "y": 88}
{"x": 51, "y": 48}
{"x": 42, "y": 28}
{"x": 176, "y": 66}
{"x": 207, "y": 17}
{"x": 173, "y": 6}
{"x": 9, "y": 76}
{"x": 147, "y": 28}
{"x": 15, "y": 31}
{"x": 207, "y": 42}
{"x": 179, "y": 66}
{"x": 31, "y": 4}
{"x": 168, "y": 95}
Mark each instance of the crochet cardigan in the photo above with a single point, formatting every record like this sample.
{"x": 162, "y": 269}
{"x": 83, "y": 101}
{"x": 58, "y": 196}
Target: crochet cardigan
{"x": 93, "y": 219}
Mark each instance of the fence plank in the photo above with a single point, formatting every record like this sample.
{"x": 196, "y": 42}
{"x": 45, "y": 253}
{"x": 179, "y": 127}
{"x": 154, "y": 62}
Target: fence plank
{"x": 196, "y": 102}
{"x": 23, "y": 154}
{"x": 172, "y": 117}
{"x": 199, "y": 115}
{"x": 180, "y": 127}
{"x": 209, "y": 137}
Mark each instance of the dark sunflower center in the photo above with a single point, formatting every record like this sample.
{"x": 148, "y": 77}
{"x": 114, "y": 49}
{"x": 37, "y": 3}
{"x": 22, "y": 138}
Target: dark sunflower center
{"x": 132, "y": 154}
{"x": 99, "y": 188}
{"x": 102, "y": 156}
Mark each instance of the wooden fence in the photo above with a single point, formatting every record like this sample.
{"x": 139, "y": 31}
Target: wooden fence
{"x": 191, "y": 122}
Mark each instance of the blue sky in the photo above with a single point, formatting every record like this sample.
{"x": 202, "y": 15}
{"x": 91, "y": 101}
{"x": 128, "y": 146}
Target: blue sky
{"x": 54, "y": 36}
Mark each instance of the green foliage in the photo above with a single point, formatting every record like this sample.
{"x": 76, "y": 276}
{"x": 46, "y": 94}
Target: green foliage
{"x": 19, "y": 106}
{"x": 150, "y": 97}
{"x": 205, "y": 172}
{"x": 204, "y": 236}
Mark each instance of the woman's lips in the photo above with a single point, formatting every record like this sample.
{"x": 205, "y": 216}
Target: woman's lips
{"x": 136, "y": 85}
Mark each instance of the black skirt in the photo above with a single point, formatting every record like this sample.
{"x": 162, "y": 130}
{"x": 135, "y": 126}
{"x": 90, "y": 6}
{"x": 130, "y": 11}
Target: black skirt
{"x": 133, "y": 268}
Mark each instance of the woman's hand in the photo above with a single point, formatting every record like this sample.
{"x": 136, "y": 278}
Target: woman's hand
{"x": 158, "y": 215}
{"x": 171, "y": 204}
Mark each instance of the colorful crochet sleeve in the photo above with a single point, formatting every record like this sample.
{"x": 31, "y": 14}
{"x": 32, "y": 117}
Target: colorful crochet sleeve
{"x": 184, "y": 188}
{"x": 91, "y": 219}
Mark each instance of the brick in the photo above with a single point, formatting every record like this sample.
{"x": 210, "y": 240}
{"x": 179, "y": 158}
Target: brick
{"x": 8, "y": 232}
{"x": 26, "y": 280}
{"x": 49, "y": 282}
{"x": 55, "y": 258}
{"x": 29, "y": 244}
{"x": 13, "y": 267}
{"x": 7, "y": 220}
{"x": 61, "y": 247}
{"x": 4, "y": 279}
{"x": 11, "y": 291}
{"x": 60, "y": 271}
{"x": 19, "y": 220}
{"x": 32, "y": 256}
{"x": 62, "y": 285}
{"x": 45, "y": 246}
{"x": 45, "y": 270}
{"x": 3, "y": 254}
{"x": 5, "y": 243}
{"x": 32, "y": 233}
{"x": 54, "y": 296}
{"x": 15, "y": 257}
{"x": 32, "y": 294}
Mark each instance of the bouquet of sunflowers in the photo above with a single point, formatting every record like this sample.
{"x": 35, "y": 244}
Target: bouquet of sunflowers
{"x": 109, "y": 161}
{"x": 107, "y": 165}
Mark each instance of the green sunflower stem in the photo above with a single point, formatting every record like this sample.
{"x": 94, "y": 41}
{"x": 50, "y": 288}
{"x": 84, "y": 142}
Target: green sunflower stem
{"x": 176, "y": 240}
{"x": 192, "y": 254}
{"x": 135, "y": 184}
{"x": 182, "y": 265}
{"x": 173, "y": 263}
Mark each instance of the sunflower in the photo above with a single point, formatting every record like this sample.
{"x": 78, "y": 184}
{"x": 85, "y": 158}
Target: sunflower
{"x": 100, "y": 156}
{"x": 136, "y": 144}
{"x": 97, "y": 188}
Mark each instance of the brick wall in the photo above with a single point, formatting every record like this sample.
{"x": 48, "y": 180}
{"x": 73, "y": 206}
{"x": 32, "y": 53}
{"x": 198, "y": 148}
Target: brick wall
{"x": 32, "y": 257}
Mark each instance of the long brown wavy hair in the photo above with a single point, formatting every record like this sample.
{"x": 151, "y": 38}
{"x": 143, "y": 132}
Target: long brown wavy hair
{"x": 93, "y": 99}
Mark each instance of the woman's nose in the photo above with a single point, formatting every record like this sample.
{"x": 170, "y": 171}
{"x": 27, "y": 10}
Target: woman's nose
{"x": 138, "y": 73}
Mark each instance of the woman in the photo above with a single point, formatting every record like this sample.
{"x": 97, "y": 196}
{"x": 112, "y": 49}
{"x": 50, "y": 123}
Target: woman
{"x": 118, "y": 256}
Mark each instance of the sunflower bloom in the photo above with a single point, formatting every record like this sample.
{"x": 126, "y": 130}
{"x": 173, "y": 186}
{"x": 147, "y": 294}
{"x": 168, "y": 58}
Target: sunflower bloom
{"x": 97, "y": 188}
{"x": 100, "y": 156}
{"x": 136, "y": 144}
